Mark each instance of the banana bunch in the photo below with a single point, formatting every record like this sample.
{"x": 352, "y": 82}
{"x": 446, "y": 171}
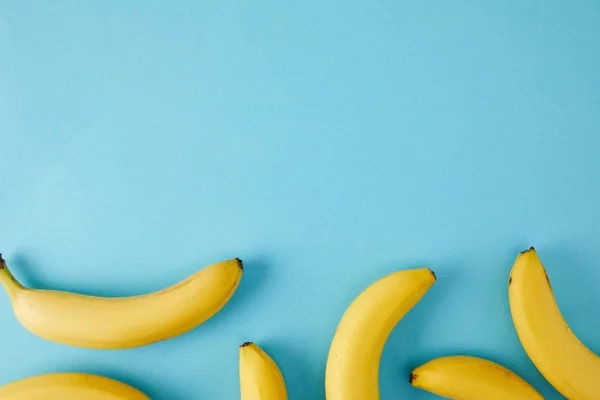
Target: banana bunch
{"x": 353, "y": 363}
{"x": 80, "y": 320}
{"x": 260, "y": 379}
{"x": 352, "y": 369}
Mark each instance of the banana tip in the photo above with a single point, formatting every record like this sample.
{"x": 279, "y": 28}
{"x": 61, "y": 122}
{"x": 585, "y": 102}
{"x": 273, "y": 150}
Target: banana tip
{"x": 412, "y": 378}
{"x": 433, "y": 274}
{"x": 240, "y": 264}
{"x": 1, "y": 262}
{"x": 528, "y": 250}
{"x": 245, "y": 344}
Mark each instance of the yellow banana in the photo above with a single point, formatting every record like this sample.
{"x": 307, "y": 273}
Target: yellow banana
{"x": 554, "y": 349}
{"x": 114, "y": 323}
{"x": 471, "y": 378}
{"x": 353, "y": 363}
{"x": 69, "y": 386}
{"x": 260, "y": 377}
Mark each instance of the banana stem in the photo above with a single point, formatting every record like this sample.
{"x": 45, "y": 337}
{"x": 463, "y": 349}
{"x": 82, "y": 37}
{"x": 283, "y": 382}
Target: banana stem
{"x": 8, "y": 281}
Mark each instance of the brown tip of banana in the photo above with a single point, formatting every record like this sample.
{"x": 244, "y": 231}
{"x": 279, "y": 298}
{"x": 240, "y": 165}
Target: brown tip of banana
{"x": 1, "y": 262}
{"x": 528, "y": 250}
{"x": 412, "y": 378}
{"x": 240, "y": 264}
{"x": 433, "y": 274}
{"x": 245, "y": 344}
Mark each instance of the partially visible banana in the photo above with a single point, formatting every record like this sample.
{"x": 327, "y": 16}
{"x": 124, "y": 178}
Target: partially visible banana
{"x": 116, "y": 323}
{"x": 69, "y": 386}
{"x": 260, "y": 377}
{"x": 353, "y": 363}
{"x": 471, "y": 378}
{"x": 554, "y": 349}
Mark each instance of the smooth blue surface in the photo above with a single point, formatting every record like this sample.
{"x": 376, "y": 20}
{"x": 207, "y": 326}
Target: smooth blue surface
{"x": 326, "y": 144}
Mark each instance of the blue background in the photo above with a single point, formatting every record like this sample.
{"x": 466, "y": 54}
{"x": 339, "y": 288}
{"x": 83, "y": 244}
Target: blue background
{"x": 326, "y": 144}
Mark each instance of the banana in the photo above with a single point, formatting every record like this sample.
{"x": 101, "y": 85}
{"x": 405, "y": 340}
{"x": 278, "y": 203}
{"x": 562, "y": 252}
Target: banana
{"x": 125, "y": 322}
{"x": 69, "y": 386}
{"x": 471, "y": 378}
{"x": 260, "y": 378}
{"x": 554, "y": 349}
{"x": 353, "y": 364}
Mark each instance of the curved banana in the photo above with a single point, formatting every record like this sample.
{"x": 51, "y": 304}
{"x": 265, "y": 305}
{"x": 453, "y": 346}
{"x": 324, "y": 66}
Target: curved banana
{"x": 124, "y": 322}
{"x": 260, "y": 378}
{"x": 563, "y": 360}
{"x": 471, "y": 378}
{"x": 353, "y": 363}
{"x": 69, "y": 386}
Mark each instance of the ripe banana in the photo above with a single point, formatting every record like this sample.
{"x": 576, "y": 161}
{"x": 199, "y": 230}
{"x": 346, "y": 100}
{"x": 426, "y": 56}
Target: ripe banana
{"x": 69, "y": 386}
{"x": 471, "y": 378}
{"x": 353, "y": 363}
{"x": 260, "y": 378}
{"x": 115, "y": 323}
{"x": 554, "y": 349}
